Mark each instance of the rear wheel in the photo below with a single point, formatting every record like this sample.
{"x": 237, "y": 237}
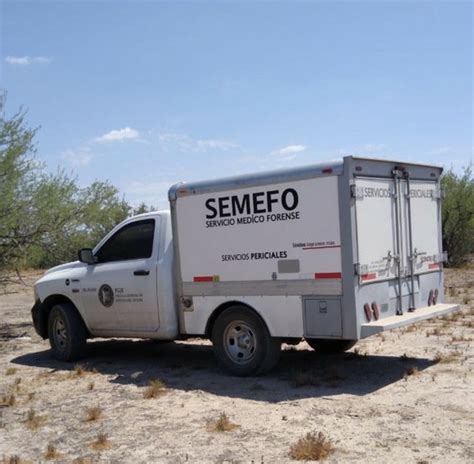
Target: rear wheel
{"x": 67, "y": 332}
{"x": 322, "y": 345}
{"x": 242, "y": 344}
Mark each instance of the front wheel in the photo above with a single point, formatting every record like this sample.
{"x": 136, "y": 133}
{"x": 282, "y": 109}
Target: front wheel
{"x": 322, "y": 345}
{"x": 242, "y": 343}
{"x": 67, "y": 332}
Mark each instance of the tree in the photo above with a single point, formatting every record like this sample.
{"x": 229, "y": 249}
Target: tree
{"x": 458, "y": 215}
{"x": 46, "y": 218}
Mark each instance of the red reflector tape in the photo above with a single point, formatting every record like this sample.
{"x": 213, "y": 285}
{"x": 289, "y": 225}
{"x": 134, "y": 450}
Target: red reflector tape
{"x": 368, "y": 276}
{"x": 327, "y": 275}
{"x": 204, "y": 279}
{"x": 433, "y": 266}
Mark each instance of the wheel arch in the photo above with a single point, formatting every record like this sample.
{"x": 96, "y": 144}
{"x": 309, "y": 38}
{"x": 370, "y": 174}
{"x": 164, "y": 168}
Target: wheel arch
{"x": 46, "y": 306}
{"x": 228, "y": 304}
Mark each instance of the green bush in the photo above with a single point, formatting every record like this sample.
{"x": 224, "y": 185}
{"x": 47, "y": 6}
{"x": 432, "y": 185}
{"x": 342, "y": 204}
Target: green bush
{"x": 458, "y": 215}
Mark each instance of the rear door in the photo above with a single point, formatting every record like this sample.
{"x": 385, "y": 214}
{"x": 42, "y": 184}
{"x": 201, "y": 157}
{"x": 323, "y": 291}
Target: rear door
{"x": 398, "y": 232}
{"x": 376, "y": 219}
{"x": 425, "y": 224}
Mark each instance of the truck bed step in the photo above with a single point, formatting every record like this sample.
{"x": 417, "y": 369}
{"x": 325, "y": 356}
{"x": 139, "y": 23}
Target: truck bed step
{"x": 393, "y": 322}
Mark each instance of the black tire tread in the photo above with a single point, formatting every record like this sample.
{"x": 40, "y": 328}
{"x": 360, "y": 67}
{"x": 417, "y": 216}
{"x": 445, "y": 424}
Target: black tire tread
{"x": 327, "y": 346}
{"x": 76, "y": 329}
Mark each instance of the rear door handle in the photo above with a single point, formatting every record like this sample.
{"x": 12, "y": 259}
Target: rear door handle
{"x": 141, "y": 272}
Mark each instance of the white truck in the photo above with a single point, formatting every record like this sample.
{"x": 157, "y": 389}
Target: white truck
{"x": 331, "y": 253}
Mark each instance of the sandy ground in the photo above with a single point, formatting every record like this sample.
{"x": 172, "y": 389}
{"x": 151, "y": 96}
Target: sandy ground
{"x": 406, "y": 396}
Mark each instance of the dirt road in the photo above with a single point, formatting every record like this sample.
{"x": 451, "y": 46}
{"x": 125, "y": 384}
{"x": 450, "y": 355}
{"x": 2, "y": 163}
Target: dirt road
{"x": 405, "y": 396}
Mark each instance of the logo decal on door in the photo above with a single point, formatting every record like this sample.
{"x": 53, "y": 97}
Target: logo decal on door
{"x": 106, "y": 295}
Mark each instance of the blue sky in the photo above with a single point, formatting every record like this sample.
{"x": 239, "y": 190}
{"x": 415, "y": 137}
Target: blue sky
{"x": 146, "y": 94}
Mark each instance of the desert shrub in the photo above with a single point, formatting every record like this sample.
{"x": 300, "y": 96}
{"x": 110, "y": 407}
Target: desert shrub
{"x": 458, "y": 215}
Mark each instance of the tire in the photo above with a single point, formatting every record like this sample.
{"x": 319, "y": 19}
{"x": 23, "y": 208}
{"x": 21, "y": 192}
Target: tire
{"x": 242, "y": 343}
{"x": 327, "y": 346}
{"x": 67, "y": 332}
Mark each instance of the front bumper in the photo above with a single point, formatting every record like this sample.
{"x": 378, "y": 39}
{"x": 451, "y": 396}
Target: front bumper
{"x": 40, "y": 322}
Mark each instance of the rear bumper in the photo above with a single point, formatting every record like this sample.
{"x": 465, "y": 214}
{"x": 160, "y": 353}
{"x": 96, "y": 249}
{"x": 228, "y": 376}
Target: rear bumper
{"x": 394, "y": 322}
{"x": 39, "y": 319}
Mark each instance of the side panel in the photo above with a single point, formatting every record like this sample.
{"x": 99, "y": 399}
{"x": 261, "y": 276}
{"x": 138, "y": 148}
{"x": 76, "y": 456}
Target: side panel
{"x": 286, "y": 231}
{"x": 282, "y": 314}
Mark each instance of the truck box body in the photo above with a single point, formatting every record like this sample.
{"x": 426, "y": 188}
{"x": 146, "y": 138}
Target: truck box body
{"x": 309, "y": 248}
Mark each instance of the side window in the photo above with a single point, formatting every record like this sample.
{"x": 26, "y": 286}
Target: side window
{"x": 133, "y": 241}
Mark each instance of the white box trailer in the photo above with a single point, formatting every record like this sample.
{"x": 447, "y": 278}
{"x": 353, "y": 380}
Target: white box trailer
{"x": 332, "y": 253}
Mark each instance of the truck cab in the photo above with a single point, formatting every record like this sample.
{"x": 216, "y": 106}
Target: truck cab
{"x": 123, "y": 287}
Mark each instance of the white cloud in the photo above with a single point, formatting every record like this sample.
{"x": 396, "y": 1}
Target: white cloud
{"x": 151, "y": 193}
{"x": 118, "y": 135}
{"x": 81, "y": 157}
{"x": 289, "y": 150}
{"x": 185, "y": 143}
{"x": 27, "y": 60}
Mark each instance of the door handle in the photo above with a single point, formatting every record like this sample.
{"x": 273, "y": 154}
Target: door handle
{"x": 141, "y": 272}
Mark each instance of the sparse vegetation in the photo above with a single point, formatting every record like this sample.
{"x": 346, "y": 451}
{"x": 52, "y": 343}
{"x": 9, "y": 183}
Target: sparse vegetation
{"x": 412, "y": 370}
{"x": 155, "y": 389}
{"x": 33, "y": 420}
{"x": 93, "y": 413}
{"x": 10, "y": 371}
{"x": 13, "y": 459}
{"x": 312, "y": 447}
{"x": 458, "y": 215}
{"x": 51, "y": 452}
{"x": 221, "y": 424}
{"x": 447, "y": 358}
{"x": 8, "y": 399}
{"x": 91, "y": 386}
{"x": 102, "y": 442}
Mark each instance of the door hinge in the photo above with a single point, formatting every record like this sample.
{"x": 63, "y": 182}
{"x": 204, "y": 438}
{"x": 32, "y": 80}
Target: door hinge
{"x": 356, "y": 192}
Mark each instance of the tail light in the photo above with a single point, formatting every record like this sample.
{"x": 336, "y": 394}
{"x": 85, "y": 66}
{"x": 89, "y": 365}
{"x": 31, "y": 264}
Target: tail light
{"x": 430, "y": 298}
{"x": 375, "y": 311}
{"x": 368, "y": 312}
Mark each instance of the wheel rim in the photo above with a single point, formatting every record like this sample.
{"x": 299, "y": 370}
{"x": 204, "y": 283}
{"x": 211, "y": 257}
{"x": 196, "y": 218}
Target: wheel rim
{"x": 60, "y": 333}
{"x": 240, "y": 342}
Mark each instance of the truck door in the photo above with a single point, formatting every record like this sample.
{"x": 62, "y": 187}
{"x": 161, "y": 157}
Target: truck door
{"x": 397, "y": 223}
{"x": 119, "y": 292}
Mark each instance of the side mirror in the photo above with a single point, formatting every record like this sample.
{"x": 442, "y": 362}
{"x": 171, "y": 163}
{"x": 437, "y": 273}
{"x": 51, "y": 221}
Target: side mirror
{"x": 85, "y": 255}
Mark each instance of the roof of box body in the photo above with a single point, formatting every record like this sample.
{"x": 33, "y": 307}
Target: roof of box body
{"x": 259, "y": 178}
{"x": 334, "y": 167}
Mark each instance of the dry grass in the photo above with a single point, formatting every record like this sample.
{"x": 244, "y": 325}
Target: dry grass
{"x": 460, "y": 338}
{"x": 82, "y": 460}
{"x": 155, "y": 389}
{"x": 221, "y": 424}
{"x": 102, "y": 442}
{"x": 10, "y": 371}
{"x": 93, "y": 413}
{"x": 33, "y": 420}
{"x": 412, "y": 370}
{"x": 13, "y": 459}
{"x": 8, "y": 400}
{"x": 51, "y": 452}
{"x": 312, "y": 447}
{"x": 91, "y": 386}
{"x": 447, "y": 358}
{"x": 80, "y": 370}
